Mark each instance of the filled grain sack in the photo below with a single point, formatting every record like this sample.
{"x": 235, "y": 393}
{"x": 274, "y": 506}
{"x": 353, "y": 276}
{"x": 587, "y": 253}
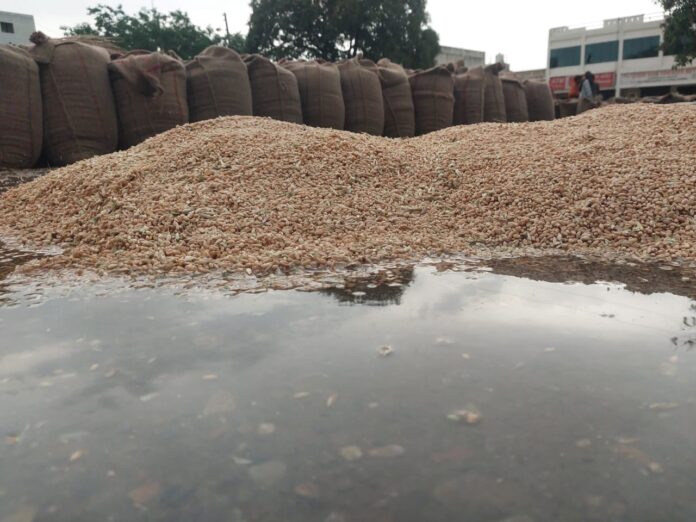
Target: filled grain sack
{"x": 585, "y": 104}
{"x": 494, "y": 99}
{"x": 516, "y": 110}
{"x": 150, "y": 92}
{"x": 399, "y": 113}
{"x": 274, "y": 90}
{"x": 319, "y": 84}
{"x": 21, "y": 121}
{"x": 468, "y": 97}
{"x": 362, "y": 96}
{"x": 433, "y": 99}
{"x": 79, "y": 115}
{"x": 217, "y": 84}
{"x": 568, "y": 108}
{"x": 539, "y": 100}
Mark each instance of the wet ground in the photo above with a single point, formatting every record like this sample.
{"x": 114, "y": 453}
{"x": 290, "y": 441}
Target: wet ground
{"x": 417, "y": 394}
{"x": 511, "y": 390}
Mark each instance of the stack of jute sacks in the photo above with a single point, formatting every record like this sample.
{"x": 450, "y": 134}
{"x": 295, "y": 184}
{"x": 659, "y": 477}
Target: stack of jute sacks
{"x": 66, "y": 100}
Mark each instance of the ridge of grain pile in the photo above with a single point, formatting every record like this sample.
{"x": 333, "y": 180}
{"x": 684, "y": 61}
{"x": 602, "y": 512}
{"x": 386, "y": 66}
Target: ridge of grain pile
{"x": 319, "y": 84}
{"x": 399, "y": 113}
{"x": 150, "y": 93}
{"x": 217, "y": 84}
{"x": 362, "y": 96}
{"x": 249, "y": 193}
{"x": 433, "y": 99}
{"x": 274, "y": 91}
{"x": 21, "y": 120}
{"x": 79, "y": 114}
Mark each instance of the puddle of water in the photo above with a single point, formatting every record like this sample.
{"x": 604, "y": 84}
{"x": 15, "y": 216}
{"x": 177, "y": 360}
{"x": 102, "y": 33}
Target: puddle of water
{"x": 498, "y": 396}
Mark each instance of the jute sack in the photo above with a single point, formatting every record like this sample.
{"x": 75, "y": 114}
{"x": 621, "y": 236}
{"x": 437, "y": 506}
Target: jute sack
{"x": 539, "y": 100}
{"x": 433, "y": 99}
{"x": 217, "y": 84}
{"x": 468, "y": 97}
{"x": 568, "y": 108}
{"x": 494, "y": 98}
{"x": 274, "y": 90}
{"x": 362, "y": 96}
{"x": 79, "y": 115}
{"x": 319, "y": 84}
{"x": 399, "y": 113}
{"x": 21, "y": 120}
{"x": 516, "y": 110}
{"x": 150, "y": 92}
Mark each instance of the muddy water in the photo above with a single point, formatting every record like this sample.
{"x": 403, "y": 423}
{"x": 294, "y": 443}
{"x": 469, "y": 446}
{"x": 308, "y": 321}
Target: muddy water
{"x": 503, "y": 395}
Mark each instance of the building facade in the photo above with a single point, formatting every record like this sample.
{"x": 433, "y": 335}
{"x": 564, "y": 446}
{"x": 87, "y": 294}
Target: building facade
{"x": 454, "y": 54}
{"x": 624, "y": 54}
{"x": 15, "y": 28}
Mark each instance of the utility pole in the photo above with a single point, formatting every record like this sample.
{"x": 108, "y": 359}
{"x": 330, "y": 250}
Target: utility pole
{"x": 227, "y": 30}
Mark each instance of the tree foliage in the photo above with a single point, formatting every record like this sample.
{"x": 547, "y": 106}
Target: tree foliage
{"x": 152, "y": 30}
{"x": 680, "y": 29}
{"x": 336, "y": 29}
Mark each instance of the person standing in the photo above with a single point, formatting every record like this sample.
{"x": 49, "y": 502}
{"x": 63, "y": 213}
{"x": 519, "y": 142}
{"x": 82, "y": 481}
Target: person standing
{"x": 587, "y": 90}
{"x": 574, "y": 91}
{"x": 587, "y": 93}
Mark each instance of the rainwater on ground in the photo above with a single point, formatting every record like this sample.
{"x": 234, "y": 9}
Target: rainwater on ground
{"x": 511, "y": 390}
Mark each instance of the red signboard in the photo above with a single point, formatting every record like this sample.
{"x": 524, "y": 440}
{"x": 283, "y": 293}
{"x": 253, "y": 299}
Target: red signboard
{"x": 558, "y": 83}
{"x": 604, "y": 80}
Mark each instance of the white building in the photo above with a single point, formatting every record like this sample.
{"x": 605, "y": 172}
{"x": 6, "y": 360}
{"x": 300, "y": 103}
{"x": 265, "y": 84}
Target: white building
{"x": 15, "y": 28}
{"x": 453, "y": 54}
{"x": 623, "y": 53}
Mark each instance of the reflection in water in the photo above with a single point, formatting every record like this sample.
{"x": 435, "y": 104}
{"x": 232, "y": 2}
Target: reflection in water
{"x": 278, "y": 406}
{"x": 645, "y": 278}
{"x": 380, "y": 289}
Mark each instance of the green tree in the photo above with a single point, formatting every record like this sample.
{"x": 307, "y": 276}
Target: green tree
{"x": 151, "y": 30}
{"x": 336, "y": 29}
{"x": 680, "y": 29}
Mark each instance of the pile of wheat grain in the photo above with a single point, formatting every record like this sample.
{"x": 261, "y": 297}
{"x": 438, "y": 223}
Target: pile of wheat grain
{"x": 249, "y": 193}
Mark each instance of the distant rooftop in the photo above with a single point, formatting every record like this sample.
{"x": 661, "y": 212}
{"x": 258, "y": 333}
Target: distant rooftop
{"x": 611, "y": 22}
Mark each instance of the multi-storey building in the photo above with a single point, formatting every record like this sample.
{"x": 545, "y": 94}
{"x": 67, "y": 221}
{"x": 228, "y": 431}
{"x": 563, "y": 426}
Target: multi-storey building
{"x": 15, "y": 28}
{"x": 624, "y": 54}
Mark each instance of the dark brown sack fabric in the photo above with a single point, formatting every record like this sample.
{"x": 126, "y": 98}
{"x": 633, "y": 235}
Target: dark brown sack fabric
{"x": 468, "y": 97}
{"x": 539, "y": 101}
{"x": 399, "y": 113}
{"x": 586, "y": 104}
{"x": 494, "y": 99}
{"x": 433, "y": 99}
{"x": 673, "y": 97}
{"x": 320, "y": 92}
{"x": 516, "y": 110}
{"x": 274, "y": 90}
{"x": 362, "y": 96}
{"x": 568, "y": 108}
{"x": 21, "y": 120}
{"x": 217, "y": 84}
{"x": 150, "y": 92}
{"x": 79, "y": 115}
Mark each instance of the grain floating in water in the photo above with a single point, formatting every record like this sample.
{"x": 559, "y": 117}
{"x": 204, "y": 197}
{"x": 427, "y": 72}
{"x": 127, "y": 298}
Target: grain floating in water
{"x": 251, "y": 194}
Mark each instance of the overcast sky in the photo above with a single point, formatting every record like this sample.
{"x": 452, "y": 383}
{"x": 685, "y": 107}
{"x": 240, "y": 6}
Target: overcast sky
{"x": 518, "y": 29}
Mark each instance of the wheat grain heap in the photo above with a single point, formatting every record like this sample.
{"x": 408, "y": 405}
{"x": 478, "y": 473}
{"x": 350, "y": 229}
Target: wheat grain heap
{"x": 248, "y": 193}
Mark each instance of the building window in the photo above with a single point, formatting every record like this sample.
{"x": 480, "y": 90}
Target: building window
{"x": 565, "y": 57}
{"x": 602, "y": 52}
{"x": 648, "y": 47}
{"x": 6, "y": 27}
